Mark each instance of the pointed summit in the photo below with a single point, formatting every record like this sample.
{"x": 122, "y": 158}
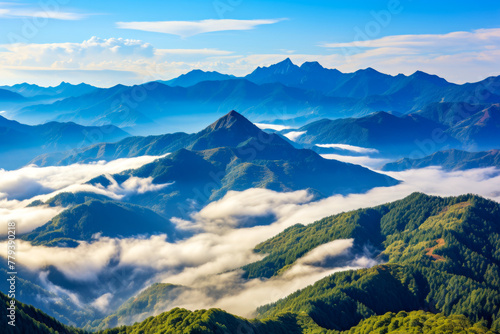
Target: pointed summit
{"x": 283, "y": 67}
{"x": 274, "y": 73}
{"x": 230, "y": 130}
{"x": 231, "y": 119}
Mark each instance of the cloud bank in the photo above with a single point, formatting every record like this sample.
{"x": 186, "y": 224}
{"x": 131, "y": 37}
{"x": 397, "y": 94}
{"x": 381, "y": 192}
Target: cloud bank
{"x": 198, "y": 262}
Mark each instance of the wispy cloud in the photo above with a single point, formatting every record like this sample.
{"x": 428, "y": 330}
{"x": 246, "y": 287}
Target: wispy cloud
{"x": 458, "y": 40}
{"x": 205, "y": 52}
{"x": 39, "y": 13}
{"x": 191, "y": 28}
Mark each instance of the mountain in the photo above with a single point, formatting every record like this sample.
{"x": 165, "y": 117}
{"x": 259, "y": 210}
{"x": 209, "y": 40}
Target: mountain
{"x": 151, "y": 301}
{"x": 63, "y": 90}
{"x": 480, "y": 131}
{"x": 450, "y": 113}
{"x": 364, "y": 83}
{"x": 215, "y": 321}
{"x": 283, "y": 72}
{"x": 439, "y": 254}
{"x": 234, "y": 154}
{"x": 230, "y": 130}
{"x": 309, "y": 76}
{"x": 19, "y": 143}
{"x": 106, "y": 218}
{"x": 125, "y": 148}
{"x": 387, "y": 133}
{"x": 196, "y": 76}
{"x": 475, "y": 125}
{"x": 449, "y": 160}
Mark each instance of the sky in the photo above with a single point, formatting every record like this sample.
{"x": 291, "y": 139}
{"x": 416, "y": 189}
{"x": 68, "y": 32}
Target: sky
{"x": 130, "y": 42}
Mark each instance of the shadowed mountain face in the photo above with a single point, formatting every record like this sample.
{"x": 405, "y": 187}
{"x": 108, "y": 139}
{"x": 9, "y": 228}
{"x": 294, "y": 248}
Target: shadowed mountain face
{"x": 387, "y": 133}
{"x": 233, "y": 154}
{"x": 449, "y": 160}
{"x": 476, "y": 126}
{"x": 9, "y": 96}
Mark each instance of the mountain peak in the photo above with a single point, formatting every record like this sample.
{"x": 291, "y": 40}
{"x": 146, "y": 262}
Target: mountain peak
{"x": 287, "y": 61}
{"x": 229, "y": 120}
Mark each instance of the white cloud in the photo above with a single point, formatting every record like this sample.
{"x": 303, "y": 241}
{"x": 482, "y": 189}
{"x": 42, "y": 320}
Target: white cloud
{"x": 191, "y": 28}
{"x": 102, "y": 302}
{"x": 27, "y": 219}
{"x": 346, "y": 147}
{"x": 196, "y": 52}
{"x": 275, "y": 127}
{"x": 294, "y": 135}
{"x": 133, "y": 185}
{"x": 42, "y": 14}
{"x": 103, "y": 62}
{"x": 458, "y": 40}
{"x": 366, "y": 161}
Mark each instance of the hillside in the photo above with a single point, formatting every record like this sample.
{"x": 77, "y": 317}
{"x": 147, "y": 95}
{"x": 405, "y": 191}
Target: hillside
{"x": 31, "y": 320}
{"x": 108, "y": 218}
{"x": 152, "y": 300}
{"x": 440, "y": 253}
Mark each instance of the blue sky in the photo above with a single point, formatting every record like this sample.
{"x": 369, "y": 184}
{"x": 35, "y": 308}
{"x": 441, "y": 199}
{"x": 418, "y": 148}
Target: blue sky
{"x": 110, "y": 42}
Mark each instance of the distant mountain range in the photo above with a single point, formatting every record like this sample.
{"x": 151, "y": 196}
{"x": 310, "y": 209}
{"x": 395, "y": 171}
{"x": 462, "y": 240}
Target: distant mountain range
{"x": 283, "y": 91}
{"x": 449, "y": 160}
{"x": 20, "y": 143}
{"x": 64, "y": 89}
